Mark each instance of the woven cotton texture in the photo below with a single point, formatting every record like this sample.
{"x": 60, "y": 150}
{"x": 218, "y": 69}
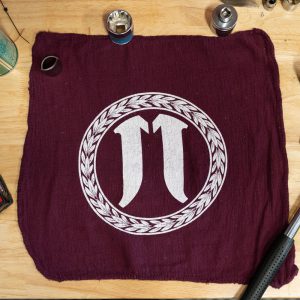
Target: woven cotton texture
{"x": 161, "y": 159}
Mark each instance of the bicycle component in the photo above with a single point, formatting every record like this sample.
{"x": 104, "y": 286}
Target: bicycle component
{"x": 241, "y": 3}
{"x": 269, "y": 4}
{"x": 120, "y": 27}
{"x": 290, "y": 5}
{"x": 224, "y": 18}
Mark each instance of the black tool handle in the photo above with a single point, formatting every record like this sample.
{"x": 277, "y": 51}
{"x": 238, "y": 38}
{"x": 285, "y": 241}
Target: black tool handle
{"x": 268, "y": 268}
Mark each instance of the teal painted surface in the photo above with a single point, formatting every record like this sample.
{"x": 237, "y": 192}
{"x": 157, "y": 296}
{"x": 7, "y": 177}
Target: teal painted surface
{"x": 8, "y": 54}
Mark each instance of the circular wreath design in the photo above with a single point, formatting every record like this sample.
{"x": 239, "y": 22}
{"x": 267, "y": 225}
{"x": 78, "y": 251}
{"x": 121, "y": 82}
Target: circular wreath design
{"x": 157, "y": 225}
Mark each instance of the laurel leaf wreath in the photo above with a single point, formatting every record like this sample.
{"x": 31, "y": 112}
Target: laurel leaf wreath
{"x": 135, "y": 225}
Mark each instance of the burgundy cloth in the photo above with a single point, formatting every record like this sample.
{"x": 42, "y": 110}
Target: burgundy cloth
{"x": 234, "y": 80}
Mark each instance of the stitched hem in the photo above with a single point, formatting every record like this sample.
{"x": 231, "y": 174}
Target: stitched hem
{"x": 290, "y": 272}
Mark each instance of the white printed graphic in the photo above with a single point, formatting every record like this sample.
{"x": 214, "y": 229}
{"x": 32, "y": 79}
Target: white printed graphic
{"x": 130, "y": 131}
{"x": 132, "y": 155}
{"x": 171, "y": 130}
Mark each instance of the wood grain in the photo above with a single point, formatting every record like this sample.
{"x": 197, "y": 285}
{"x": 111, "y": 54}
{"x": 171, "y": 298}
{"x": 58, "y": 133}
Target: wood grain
{"x": 18, "y": 276}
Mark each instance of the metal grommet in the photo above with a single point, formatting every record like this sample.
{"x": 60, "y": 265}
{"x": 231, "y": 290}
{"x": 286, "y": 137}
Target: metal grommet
{"x": 120, "y": 26}
{"x": 51, "y": 65}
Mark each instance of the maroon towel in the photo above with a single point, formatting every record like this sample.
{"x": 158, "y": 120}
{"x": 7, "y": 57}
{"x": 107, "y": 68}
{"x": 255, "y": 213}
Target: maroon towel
{"x": 160, "y": 159}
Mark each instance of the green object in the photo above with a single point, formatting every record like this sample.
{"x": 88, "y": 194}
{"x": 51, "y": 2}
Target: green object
{"x": 8, "y": 54}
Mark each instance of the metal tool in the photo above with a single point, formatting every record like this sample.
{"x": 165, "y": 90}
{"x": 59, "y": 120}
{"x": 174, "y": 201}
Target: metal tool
{"x": 51, "y": 65}
{"x": 5, "y": 196}
{"x": 269, "y": 4}
{"x": 224, "y": 18}
{"x": 241, "y": 3}
{"x": 273, "y": 261}
{"x": 120, "y": 27}
{"x": 290, "y": 5}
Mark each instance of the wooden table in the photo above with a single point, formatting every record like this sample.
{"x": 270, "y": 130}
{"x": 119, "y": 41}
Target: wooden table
{"x": 18, "y": 276}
